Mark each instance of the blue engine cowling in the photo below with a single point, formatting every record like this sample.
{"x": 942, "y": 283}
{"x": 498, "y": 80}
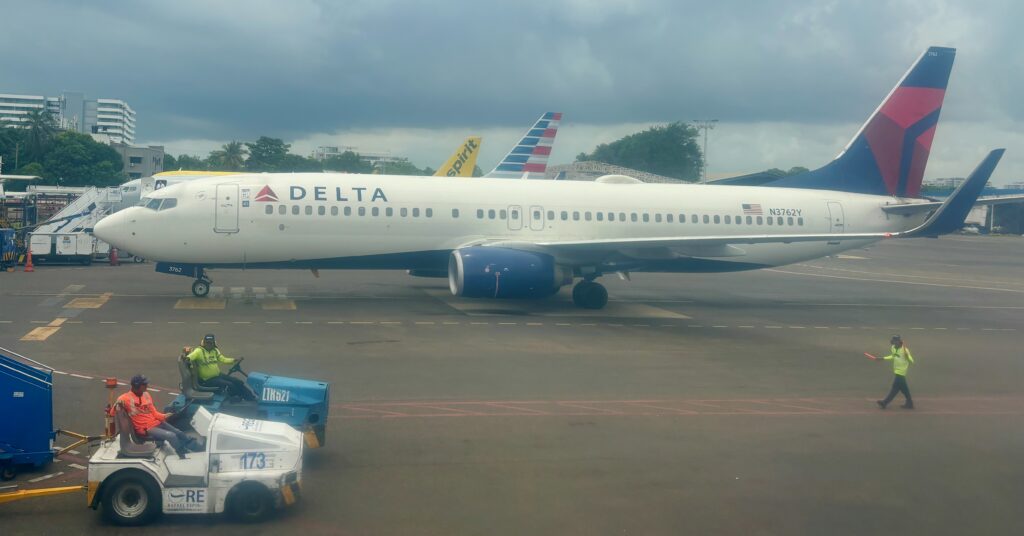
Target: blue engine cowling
{"x": 492, "y": 272}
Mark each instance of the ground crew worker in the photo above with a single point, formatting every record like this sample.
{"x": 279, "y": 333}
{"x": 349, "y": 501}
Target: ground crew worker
{"x": 206, "y": 361}
{"x": 901, "y": 359}
{"x": 146, "y": 420}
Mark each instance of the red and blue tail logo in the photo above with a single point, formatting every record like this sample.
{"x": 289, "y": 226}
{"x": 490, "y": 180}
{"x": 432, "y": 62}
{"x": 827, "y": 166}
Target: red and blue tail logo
{"x": 530, "y": 155}
{"x": 888, "y": 154}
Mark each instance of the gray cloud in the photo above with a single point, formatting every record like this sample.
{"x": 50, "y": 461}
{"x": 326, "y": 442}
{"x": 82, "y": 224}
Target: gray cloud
{"x": 305, "y": 69}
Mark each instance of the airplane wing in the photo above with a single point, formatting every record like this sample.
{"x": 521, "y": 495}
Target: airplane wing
{"x": 947, "y": 218}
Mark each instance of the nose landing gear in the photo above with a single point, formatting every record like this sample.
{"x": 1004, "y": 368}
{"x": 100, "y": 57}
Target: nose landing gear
{"x": 589, "y": 295}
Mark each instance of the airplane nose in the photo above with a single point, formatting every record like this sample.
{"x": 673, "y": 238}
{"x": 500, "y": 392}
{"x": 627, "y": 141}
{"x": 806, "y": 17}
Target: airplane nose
{"x": 112, "y": 230}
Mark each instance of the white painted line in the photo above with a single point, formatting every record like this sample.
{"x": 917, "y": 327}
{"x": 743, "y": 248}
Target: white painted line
{"x": 172, "y": 393}
{"x": 271, "y": 322}
{"x": 73, "y": 322}
{"x": 820, "y": 327}
{"x": 989, "y": 329}
{"x": 695, "y": 326}
{"x": 615, "y": 325}
{"x": 508, "y": 323}
{"x": 941, "y": 329}
{"x": 390, "y": 322}
{"x": 9, "y": 487}
{"x": 479, "y": 323}
{"x": 154, "y": 390}
{"x": 918, "y": 329}
{"x": 175, "y": 322}
{"x": 534, "y": 323}
{"x": 76, "y": 466}
{"x": 6, "y": 321}
{"x": 74, "y": 452}
{"x": 83, "y": 377}
{"x": 845, "y": 327}
{"x": 108, "y": 321}
{"x": 424, "y": 323}
{"x": 335, "y": 322}
{"x": 773, "y": 327}
{"x": 796, "y": 327}
{"x": 451, "y": 323}
{"x": 138, "y": 322}
{"x": 303, "y": 322}
{"x": 44, "y": 477}
{"x": 745, "y": 327}
{"x": 241, "y": 322}
{"x": 122, "y": 383}
{"x": 588, "y": 324}
{"x": 566, "y": 324}
{"x": 719, "y": 327}
{"x": 641, "y": 325}
{"x": 60, "y": 372}
{"x": 211, "y": 322}
{"x": 361, "y": 322}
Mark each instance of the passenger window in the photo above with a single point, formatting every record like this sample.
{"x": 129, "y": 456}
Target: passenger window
{"x": 348, "y": 211}
{"x": 750, "y": 220}
{"x": 429, "y": 212}
{"x": 375, "y": 211}
{"x": 575, "y": 215}
{"x": 800, "y": 221}
{"x": 503, "y": 214}
{"x": 682, "y": 218}
{"x": 693, "y": 218}
{"x": 728, "y": 219}
{"x": 455, "y": 213}
{"x": 270, "y": 209}
{"x": 789, "y": 221}
{"x": 587, "y": 215}
{"x": 281, "y": 209}
{"x": 309, "y": 210}
{"x": 491, "y": 213}
{"x": 707, "y": 219}
{"x": 536, "y": 215}
{"x": 718, "y": 219}
{"x": 632, "y": 217}
{"x": 771, "y": 221}
{"x": 760, "y": 220}
{"x": 739, "y": 220}
{"x": 668, "y": 218}
{"x": 600, "y": 216}
{"x": 362, "y": 211}
{"x": 295, "y": 210}
{"x": 647, "y": 217}
{"x": 565, "y": 216}
{"x": 779, "y": 220}
{"x": 480, "y": 213}
{"x": 611, "y": 216}
{"x": 321, "y": 210}
{"x": 622, "y": 216}
{"x": 334, "y": 211}
{"x": 389, "y": 212}
{"x": 551, "y": 215}
{"x": 404, "y": 212}
{"x": 657, "y": 218}
{"x": 415, "y": 213}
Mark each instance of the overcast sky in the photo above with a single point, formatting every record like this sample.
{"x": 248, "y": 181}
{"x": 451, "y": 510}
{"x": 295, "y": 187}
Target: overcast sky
{"x": 789, "y": 81}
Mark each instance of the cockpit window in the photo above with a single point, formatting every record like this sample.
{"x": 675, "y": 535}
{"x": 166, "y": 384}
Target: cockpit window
{"x": 154, "y": 204}
{"x": 170, "y": 202}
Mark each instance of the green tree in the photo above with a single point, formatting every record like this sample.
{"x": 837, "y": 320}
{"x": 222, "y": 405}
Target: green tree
{"x": 296, "y": 164}
{"x": 400, "y": 167}
{"x": 670, "y": 150}
{"x": 170, "y": 163}
{"x": 41, "y": 130}
{"x": 75, "y": 159}
{"x": 230, "y": 157}
{"x": 266, "y": 154}
{"x": 347, "y": 162}
{"x": 190, "y": 163}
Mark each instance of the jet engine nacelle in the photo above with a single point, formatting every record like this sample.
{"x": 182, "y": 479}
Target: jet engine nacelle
{"x": 486, "y": 272}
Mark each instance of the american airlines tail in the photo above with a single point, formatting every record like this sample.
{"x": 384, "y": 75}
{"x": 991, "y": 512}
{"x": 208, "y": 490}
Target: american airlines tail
{"x": 530, "y": 155}
{"x": 888, "y": 154}
{"x": 463, "y": 161}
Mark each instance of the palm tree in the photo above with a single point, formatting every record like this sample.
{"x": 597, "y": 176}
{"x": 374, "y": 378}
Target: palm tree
{"x": 41, "y": 130}
{"x": 230, "y": 157}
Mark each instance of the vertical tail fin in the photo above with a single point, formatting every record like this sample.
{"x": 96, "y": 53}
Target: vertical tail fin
{"x": 888, "y": 154}
{"x": 463, "y": 161}
{"x": 530, "y": 155}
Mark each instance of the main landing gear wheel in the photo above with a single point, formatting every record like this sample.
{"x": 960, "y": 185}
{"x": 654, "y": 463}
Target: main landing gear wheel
{"x": 589, "y": 295}
{"x": 200, "y": 288}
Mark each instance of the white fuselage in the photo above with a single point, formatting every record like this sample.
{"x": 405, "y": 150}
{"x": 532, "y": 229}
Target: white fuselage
{"x": 273, "y": 219}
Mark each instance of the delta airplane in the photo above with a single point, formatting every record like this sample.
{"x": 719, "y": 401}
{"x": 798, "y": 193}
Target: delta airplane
{"x": 527, "y": 239}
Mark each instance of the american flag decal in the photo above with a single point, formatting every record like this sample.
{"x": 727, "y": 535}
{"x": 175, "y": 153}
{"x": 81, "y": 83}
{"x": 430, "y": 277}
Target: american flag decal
{"x": 752, "y": 209}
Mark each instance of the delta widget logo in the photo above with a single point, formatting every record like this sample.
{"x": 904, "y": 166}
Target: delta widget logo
{"x": 266, "y": 194}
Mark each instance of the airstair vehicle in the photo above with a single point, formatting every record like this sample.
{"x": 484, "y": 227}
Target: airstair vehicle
{"x": 67, "y": 236}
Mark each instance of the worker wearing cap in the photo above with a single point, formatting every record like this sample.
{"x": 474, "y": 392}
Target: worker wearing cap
{"x": 901, "y": 359}
{"x": 206, "y": 360}
{"x": 146, "y": 420}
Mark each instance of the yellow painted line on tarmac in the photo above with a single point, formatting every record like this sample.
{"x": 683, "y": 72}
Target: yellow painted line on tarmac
{"x": 89, "y": 303}
{"x": 200, "y": 303}
{"x": 57, "y": 322}
{"x": 40, "y": 334}
{"x": 277, "y": 304}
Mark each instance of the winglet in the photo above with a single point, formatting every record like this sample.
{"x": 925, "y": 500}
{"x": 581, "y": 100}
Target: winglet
{"x": 530, "y": 155}
{"x": 950, "y": 216}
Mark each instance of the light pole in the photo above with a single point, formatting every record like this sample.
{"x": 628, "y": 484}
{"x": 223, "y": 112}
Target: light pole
{"x": 705, "y": 125}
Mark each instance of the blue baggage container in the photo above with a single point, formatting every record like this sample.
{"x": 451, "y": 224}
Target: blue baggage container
{"x": 26, "y": 403}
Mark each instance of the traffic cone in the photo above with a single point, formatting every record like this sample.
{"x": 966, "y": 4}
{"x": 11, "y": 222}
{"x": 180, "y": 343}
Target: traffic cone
{"x": 114, "y": 261}
{"x": 28, "y": 262}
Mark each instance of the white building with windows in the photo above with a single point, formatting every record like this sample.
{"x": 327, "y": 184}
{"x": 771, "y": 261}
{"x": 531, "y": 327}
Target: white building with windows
{"x": 72, "y": 111}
